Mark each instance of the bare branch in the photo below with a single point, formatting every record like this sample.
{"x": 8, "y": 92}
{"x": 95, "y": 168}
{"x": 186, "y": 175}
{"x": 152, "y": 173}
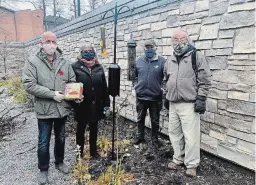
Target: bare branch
{"x": 5, "y": 50}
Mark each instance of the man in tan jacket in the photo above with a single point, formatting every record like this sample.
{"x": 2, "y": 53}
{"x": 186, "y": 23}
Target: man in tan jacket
{"x": 188, "y": 81}
{"x": 44, "y": 77}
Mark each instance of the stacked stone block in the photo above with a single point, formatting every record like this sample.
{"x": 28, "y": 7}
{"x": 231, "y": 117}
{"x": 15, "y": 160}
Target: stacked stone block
{"x": 221, "y": 29}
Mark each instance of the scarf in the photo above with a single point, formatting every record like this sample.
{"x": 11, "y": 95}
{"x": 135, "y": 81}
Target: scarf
{"x": 188, "y": 49}
{"x": 87, "y": 63}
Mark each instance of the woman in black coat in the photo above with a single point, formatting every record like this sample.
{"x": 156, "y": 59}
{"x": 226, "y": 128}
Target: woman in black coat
{"x": 96, "y": 98}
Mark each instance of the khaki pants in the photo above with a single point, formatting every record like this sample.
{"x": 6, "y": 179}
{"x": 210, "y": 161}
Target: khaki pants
{"x": 184, "y": 133}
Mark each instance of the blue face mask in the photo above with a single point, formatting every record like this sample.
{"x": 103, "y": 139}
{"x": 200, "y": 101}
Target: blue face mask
{"x": 150, "y": 53}
{"x": 88, "y": 55}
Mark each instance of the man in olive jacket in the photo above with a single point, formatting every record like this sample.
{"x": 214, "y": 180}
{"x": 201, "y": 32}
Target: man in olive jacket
{"x": 187, "y": 88}
{"x": 45, "y": 76}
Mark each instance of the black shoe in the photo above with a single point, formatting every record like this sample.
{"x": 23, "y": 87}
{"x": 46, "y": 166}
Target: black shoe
{"x": 63, "y": 168}
{"x": 43, "y": 178}
{"x": 95, "y": 155}
{"x": 138, "y": 141}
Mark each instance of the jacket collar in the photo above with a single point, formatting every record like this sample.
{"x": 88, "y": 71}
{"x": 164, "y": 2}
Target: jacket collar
{"x": 58, "y": 59}
{"x": 84, "y": 68}
{"x": 173, "y": 57}
{"x": 155, "y": 58}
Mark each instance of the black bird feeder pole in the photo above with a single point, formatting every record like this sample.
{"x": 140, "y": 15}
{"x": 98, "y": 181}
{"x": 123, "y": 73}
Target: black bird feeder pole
{"x": 114, "y": 75}
{"x": 114, "y": 97}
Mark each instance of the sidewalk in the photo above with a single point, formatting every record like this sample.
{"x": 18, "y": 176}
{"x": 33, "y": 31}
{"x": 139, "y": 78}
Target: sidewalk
{"x": 18, "y": 157}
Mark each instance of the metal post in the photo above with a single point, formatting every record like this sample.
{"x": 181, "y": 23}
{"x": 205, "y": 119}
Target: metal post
{"x": 113, "y": 129}
{"x": 115, "y": 13}
{"x": 78, "y": 8}
{"x": 114, "y": 98}
{"x": 116, "y": 16}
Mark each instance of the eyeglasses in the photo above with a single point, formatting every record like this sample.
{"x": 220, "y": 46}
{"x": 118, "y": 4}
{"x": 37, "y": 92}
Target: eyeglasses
{"x": 50, "y": 42}
{"x": 180, "y": 40}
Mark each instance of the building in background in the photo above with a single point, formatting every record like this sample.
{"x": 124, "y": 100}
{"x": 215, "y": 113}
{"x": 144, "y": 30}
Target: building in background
{"x": 20, "y": 25}
{"x": 51, "y": 22}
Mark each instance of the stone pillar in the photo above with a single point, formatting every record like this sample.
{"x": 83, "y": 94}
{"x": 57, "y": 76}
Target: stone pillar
{"x": 131, "y": 59}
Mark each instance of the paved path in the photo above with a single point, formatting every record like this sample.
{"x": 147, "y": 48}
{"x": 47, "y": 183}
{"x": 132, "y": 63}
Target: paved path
{"x": 18, "y": 157}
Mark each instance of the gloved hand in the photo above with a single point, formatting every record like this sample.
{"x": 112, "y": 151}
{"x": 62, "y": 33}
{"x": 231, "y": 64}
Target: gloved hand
{"x": 166, "y": 104}
{"x": 59, "y": 96}
{"x": 133, "y": 93}
{"x": 163, "y": 91}
{"x": 106, "y": 111}
{"x": 200, "y": 104}
{"x": 80, "y": 100}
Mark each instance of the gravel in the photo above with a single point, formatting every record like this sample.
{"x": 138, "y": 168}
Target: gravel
{"x": 18, "y": 150}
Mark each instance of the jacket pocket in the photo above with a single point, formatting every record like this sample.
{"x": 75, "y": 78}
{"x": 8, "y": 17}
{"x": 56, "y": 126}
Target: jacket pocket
{"x": 140, "y": 87}
{"x": 187, "y": 89}
{"x": 39, "y": 107}
{"x": 171, "y": 89}
{"x": 47, "y": 106}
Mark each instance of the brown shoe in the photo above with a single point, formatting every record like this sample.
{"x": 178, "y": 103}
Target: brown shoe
{"x": 173, "y": 166}
{"x": 191, "y": 172}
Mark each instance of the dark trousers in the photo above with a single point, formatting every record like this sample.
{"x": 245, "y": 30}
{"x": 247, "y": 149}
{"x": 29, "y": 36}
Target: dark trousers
{"x": 154, "y": 111}
{"x": 93, "y": 128}
{"x": 45, "y": 130}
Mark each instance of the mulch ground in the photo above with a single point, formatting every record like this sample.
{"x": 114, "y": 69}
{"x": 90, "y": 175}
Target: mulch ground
{"x": 150, "y": 167}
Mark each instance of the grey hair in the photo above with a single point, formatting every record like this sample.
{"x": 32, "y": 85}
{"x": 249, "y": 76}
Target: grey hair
{"x": 46, "y": 33}
{"x": 187, "y": 35}
{"x": 86, "y": 46}
{"x": 90, "y": 46}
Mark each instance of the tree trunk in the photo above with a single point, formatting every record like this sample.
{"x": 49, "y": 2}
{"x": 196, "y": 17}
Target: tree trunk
{"x": 74, "y": 2}
{"x": 44, "y": 7}
{"x": 54, "y": 12}
{"x": 5, "y": 67}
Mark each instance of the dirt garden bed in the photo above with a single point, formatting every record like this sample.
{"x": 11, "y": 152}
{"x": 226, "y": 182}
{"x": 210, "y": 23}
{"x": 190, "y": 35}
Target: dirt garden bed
{"x": 150, "y": 168}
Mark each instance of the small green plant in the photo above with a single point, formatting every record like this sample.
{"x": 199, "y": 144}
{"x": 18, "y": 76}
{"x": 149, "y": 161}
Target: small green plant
{"x": 114, "y": 176}
{"x": 104, "y": 145}
{"x": 80, "y": 170}
{"x": 121, "y": 145}
{"x": 16, "y": 89}
{"x": 2, "y": 83}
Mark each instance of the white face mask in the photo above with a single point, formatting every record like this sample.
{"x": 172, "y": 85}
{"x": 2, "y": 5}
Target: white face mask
{"x": 49, "y": 48}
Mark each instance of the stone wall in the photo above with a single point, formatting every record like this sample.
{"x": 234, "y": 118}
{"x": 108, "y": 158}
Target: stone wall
{"x": 15, "y": 58}
{"x": 223, "y": 30}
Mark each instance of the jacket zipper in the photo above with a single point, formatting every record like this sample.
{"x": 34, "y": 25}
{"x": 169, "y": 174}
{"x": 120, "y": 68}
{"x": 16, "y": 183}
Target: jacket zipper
{"x": 148, "y": 72}
{"x": 177, "y": 82}
{"x": 93, "y": 97}
{"x": 55, "y": 90}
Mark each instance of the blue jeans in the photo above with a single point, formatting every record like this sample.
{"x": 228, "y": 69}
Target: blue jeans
{"x": 45, "y": 129}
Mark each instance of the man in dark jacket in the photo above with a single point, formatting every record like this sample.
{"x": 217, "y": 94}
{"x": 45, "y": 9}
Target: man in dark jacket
{"x": 44, "y": 77}
{"x": 187, "y": 89}
{"x": 147, "y": 85}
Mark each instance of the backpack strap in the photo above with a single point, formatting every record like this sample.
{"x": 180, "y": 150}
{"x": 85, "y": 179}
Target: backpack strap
{"x": 193, "y": 59}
